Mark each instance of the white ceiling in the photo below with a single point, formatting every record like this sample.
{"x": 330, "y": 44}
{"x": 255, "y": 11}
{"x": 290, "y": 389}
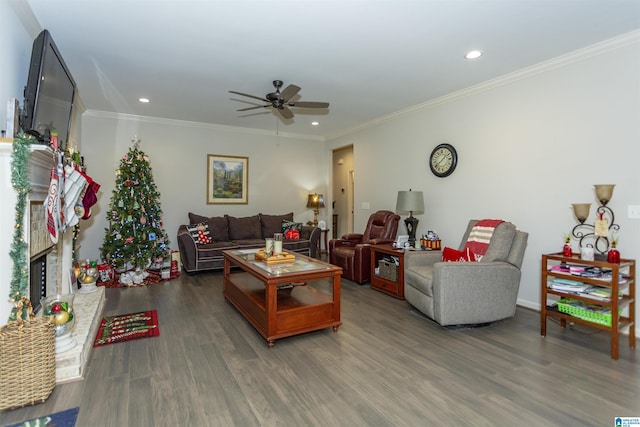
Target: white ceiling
{"x": 368, "y": 59}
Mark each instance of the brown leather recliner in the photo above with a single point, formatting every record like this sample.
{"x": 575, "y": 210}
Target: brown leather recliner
{"x": 352, "y": 252}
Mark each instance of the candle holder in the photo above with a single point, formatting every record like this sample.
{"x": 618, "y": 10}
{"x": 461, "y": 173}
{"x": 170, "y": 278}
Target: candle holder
{"x": 277, "y": 243}
{"x": 596, "y": 235}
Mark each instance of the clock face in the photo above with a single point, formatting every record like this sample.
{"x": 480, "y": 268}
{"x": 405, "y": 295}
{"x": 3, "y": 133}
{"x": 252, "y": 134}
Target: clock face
{"x": 443, "y": 160}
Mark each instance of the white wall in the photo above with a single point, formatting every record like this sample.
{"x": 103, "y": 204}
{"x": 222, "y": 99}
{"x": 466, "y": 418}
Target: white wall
{"x": 282, "y": 170}
{"x": 529, "y": 145}
{"x": 16, "y": 38}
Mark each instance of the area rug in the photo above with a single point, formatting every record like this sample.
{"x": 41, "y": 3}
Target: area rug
{"x": 59, "y": 419}
{"x": 127, "y": 327}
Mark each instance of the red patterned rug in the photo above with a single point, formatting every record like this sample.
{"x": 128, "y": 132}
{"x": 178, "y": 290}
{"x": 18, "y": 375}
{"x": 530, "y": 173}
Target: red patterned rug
{"x": 114, "y": 329}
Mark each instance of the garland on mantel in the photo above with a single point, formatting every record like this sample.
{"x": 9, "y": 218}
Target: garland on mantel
{"x": 21, "y": 183}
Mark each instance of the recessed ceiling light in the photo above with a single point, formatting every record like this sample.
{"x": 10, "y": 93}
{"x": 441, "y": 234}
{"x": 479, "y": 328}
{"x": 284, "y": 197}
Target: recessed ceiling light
{"x": 474, "y": 54}
{"x": 144, "y": 100}
{"x": 315, "y": 123}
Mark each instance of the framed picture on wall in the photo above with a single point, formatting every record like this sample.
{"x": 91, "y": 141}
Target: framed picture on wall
{"x": 227, "y": 179}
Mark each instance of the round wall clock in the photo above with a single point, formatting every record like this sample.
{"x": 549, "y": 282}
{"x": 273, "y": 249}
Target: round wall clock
{"x": 443, "y": 160}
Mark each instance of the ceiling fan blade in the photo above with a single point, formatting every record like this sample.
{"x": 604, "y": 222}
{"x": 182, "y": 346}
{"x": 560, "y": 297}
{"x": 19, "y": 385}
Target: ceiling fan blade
{"x": 309, "y": 104}
{"x": 289, "y": 92}
{"x": 253, "y": 108}
{"x": 285, "y": 112}
{"x": 250, "y": 96}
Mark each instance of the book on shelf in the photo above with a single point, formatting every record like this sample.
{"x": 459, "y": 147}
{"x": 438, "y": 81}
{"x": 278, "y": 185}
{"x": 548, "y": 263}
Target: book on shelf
{"x": 568, "y": 286}
{"x": 599, "y": 293}
{"x": 588, "y": 272}
{"x": 568, "y": 268}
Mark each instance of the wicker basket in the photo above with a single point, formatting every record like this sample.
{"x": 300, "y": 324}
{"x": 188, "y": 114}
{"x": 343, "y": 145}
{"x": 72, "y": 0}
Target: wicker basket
{"x": 28, "y": 361}
{"x": 388, "y": 270}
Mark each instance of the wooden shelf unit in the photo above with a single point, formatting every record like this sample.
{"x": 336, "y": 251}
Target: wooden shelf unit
{"x": 382, "y": 284}
{"x": 626, "y": 302}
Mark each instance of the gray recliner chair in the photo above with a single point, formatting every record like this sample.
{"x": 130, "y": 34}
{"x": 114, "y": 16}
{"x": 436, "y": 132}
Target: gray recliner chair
{"x": 468, "y": 293}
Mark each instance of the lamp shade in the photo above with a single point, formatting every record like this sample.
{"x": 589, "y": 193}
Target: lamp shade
{"x": 581, "y": 211}
{"x": 315, "y": 201}
{"x": 410, "y": 201}
{"x": 604, "y": 192}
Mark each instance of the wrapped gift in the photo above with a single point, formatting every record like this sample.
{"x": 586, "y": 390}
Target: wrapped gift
{"x": 105, "y": 272}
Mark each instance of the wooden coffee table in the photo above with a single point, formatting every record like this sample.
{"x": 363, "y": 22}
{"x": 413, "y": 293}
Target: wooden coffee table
{"x": 279, "y": 299}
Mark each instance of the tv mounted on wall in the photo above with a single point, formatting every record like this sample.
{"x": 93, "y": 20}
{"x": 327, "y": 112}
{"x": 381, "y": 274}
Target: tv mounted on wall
{"x": 48, "y": 95}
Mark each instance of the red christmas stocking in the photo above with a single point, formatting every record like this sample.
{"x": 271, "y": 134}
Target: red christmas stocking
{"x": 52, "y": 206}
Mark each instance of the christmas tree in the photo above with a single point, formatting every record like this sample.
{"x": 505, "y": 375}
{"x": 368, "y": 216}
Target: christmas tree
{"x": 135, "y": 237}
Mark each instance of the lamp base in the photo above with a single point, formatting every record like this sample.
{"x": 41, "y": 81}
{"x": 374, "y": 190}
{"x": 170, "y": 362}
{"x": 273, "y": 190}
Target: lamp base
{"x": 412, "y": 224}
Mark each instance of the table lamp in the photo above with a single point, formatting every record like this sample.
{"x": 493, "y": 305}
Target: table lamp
{"x": 410, "y": 201}
{"x": 315, "y": 202}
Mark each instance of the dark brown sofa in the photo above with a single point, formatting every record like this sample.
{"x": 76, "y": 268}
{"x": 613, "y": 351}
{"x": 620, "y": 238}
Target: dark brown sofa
{"x": 230, "y": 232}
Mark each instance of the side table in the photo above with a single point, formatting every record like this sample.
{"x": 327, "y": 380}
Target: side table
{"x": 382, "y": 284}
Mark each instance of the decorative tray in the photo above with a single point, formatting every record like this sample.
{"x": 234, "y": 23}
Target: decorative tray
{"x": 282, "y": 257}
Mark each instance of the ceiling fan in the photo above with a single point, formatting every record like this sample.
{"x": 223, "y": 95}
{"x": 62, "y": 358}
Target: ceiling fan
{"x": 281, "y": 101}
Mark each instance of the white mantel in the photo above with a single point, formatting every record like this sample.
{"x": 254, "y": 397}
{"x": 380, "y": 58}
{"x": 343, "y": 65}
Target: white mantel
{"x": 40, "y": 163}
{"x": 70, "y": 365}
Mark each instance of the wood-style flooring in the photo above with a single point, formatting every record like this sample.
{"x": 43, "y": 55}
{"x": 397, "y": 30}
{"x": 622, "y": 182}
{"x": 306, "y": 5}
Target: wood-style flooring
{"x": 386, "y": 366}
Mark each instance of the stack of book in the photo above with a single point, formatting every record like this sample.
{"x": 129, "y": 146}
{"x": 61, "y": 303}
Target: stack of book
{"x": 583, "y": 271}
{"x": 566, "y": 285}
{"x": 598, "y": 293}
{"x": 571, "y": 286}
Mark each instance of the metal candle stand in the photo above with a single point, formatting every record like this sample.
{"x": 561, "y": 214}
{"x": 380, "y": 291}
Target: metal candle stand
{"x": 585, "y": 233}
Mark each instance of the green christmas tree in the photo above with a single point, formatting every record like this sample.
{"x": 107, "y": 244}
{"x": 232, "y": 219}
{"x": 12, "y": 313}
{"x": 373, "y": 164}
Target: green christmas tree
{"x": 135, "y": 236}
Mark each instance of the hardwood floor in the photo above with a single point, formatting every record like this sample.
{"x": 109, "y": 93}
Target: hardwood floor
{"x": 386, "y": 366}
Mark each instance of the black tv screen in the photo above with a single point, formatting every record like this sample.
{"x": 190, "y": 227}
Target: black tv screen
{"x": 48, "y": 95}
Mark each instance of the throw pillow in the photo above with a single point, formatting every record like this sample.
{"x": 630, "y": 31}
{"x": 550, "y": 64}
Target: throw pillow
{"x": 452, "y": 255}
{"x": 200, "y": 233}
{"x": 291, "y": 230}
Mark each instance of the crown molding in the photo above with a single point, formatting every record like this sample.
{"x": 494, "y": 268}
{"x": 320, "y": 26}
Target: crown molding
{"x": 591, "y": 51}
{"x": 197, "y": 125}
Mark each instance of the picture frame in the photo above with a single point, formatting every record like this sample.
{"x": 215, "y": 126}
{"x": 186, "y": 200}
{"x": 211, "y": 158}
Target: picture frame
{"x": 402, "y": 240}
{"x": 227, "y": 180}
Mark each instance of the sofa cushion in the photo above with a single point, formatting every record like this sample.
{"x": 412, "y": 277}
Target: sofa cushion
{"x": 272, "y": 224}
{"x": 244, "y": 228}
{"x": 421, "y": 278}
{"x": 218, "y": 226}
{"x": 200, "y": 233}
{"x": 291, "y": 230}
{"x": 195, "y": 218}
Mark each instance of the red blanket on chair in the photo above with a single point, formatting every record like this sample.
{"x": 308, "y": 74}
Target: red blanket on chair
{"x": 480, "y": 236}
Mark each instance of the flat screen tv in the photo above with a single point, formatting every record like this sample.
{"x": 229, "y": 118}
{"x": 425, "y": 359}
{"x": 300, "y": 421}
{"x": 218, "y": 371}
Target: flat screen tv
{"x": 48, "y": 95}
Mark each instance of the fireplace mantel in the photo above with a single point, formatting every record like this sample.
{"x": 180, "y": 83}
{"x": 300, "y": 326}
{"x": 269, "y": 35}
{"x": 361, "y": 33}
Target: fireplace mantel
{"x": 40, "y": 162}
{"x": 70, "y": 365}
